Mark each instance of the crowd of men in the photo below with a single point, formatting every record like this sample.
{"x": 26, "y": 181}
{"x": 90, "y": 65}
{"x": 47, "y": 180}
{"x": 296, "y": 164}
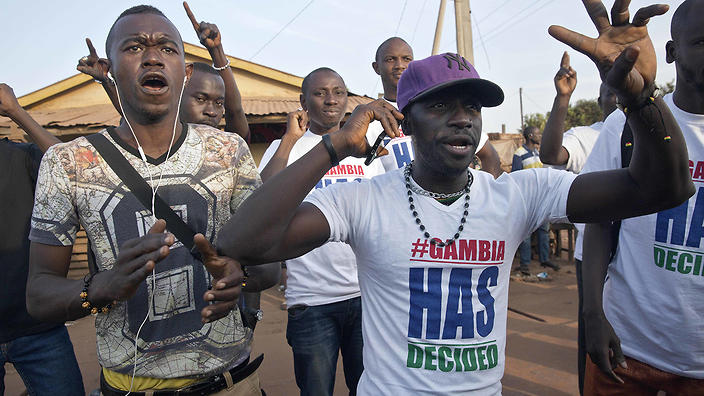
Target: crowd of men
{"x": 400, "y": 264}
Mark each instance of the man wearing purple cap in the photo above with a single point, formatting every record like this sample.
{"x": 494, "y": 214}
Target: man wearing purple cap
{"x": 435, "y": 281}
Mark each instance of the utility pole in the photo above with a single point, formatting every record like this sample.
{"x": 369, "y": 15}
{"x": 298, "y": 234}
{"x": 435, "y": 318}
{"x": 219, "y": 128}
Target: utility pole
{"x": 438, "y": 27}
{"x": 520, "y": 97}
{"x": 463, "y": 29}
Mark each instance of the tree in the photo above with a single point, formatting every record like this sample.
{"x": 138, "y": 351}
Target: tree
{"x": 536, "y": 120}
{"x": 584, "y": 112}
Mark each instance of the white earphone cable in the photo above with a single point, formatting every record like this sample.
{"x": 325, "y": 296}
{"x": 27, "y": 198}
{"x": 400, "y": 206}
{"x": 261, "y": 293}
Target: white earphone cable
{"x": 154, "y": 191}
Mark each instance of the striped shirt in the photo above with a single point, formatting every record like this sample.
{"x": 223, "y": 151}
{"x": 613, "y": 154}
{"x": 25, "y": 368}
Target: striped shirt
{"x": 525, "y": 158}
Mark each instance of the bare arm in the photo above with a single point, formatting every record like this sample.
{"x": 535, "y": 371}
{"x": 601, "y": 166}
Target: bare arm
{"x": 600, "y": 336}
{"x": 626, "y": 60}
{"x": 551, "y": 150}
{"x": 9, "y": 107}
{"x": 296, "y": 125}
{"x": 209, "y": 36}
{"x": 98, "y": 68}
{"x": 262, "y": 277}
{"x": 53, "y": 298}
{"x": 267, "y": 228}
{"x": 491, "y": 162}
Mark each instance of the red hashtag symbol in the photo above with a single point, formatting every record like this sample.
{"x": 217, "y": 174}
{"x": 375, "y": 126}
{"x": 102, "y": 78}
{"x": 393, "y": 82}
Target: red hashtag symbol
{"x": 419, "y": 247}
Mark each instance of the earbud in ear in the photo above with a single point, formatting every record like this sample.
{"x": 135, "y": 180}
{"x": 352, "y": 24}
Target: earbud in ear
{"x": 110, "y": 77}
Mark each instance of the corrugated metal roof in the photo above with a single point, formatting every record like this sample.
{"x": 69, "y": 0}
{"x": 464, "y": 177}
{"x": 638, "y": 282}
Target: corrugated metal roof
{"x": 105, "y": 114}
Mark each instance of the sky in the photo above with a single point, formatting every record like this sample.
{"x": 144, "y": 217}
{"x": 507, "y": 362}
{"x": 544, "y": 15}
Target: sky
{"x": 43, "y": 40}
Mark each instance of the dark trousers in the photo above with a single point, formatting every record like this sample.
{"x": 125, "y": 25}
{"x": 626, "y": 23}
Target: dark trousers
{"x": 317, "y": 334}
{"x": 45, "y": 361}
{"x": 581, "y": 342}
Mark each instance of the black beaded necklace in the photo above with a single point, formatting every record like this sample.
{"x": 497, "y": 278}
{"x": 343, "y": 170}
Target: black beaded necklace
{"x": 436, "y": 241}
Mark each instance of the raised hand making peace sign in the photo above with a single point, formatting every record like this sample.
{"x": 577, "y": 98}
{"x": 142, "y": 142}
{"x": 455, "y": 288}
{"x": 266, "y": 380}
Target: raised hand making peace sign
{"x": 622, "y": 52}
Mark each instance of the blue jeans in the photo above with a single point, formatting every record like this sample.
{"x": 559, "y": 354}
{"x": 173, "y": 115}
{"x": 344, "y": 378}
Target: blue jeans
{"x": 46, "y": 363}
{"x": 316, "y": 334}
{"x": 543, "y": 246}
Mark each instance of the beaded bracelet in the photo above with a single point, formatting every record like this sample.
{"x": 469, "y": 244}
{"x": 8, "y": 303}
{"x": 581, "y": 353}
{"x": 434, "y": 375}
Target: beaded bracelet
{"x": 84, "y": 297}
{"x": 222, "y": 67}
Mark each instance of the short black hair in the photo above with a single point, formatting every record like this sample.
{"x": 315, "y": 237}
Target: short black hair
{"x": 140, "y": 9}
{"x": 528, "y": 129}
{"x": 306, "y": 79}
{"x": 202, "y": 67}
{"x": 679, "y": 19}
{"x": 386, "y": 42}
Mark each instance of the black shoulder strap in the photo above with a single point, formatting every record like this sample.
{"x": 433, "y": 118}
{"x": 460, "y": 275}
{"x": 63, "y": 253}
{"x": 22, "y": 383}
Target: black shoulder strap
{"x": 626, "y": 153}
{"x": 139, "y": 187}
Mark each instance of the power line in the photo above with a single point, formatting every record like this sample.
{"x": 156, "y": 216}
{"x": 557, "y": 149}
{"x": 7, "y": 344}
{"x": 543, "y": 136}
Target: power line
{"x": 405, "y": 3}
{"x": 522, "y": 18}
{"x": 490, "y": 13}
{"x": 418, "y": 21}
{"x": 481, "y": 39}
{"x": 281, "y": 30}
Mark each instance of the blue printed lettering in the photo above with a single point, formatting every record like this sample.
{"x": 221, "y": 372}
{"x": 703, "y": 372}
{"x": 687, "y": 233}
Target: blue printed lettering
{"x": 485, "y": 323}
{"x": 696, "y": 225}
{"x": 460, "y": 288}
{"x": 678, "y": 216}
{"x": 402, "y": 152}
{"x": 422, "y": 301}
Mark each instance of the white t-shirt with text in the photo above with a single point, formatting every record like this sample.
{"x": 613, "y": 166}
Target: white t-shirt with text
{"x": 579, "y": 142}
{"x": 652, "y": 296}
{"x": 312, "y": 280}
{"x": 434, "y": 319}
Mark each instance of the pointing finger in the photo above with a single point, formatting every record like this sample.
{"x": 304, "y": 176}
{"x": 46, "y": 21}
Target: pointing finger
{"x": 565, "y": 62}
{"x": 91, "y": 49}
{"x": 192, "y": 17}
{"x": 578, "y": 42}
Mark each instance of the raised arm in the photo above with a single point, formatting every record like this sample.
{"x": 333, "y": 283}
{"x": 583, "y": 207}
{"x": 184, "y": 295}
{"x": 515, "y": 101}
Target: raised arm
{"x": 9, "y": 107}
{"x": 296, "y": 125}
{"x": 209, "y": 36}
{"x": 658, "y": 176}
{"x": 268, "y": 227}
{"x": 98, "y": 68}
{"x": 551, "y": 150}
{"x": 491, "y": 162}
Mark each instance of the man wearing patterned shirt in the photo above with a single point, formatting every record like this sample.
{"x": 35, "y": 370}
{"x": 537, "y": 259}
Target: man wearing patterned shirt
{"x": 166, "y": 318}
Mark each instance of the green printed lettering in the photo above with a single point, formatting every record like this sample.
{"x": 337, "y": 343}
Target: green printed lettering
{"x": 481, "y": 358}
{"x": 458, "y": 361}
{"x": 681, "y": 268}
{"x": 697, "y": 264}
{"x": 469, "y": 358}
{"x": 415, "y": 357}
{"x": 445, "y": 359}
{"x": 430, "y": 358}
{"x": 492, "y": 355}
{"x": 670, "y": 260}
{"x": 659, "y": 256}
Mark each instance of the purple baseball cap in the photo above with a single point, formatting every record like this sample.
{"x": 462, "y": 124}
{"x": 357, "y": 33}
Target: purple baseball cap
{"x": 437, "y": 72}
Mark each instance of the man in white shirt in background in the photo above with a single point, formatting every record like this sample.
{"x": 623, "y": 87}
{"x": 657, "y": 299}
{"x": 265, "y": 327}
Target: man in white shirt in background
{"x": 391, "y": 59}
{"x": 324, "y": 307}
{"x": 644, "y": 325}
{"x": 570, "y": 151}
